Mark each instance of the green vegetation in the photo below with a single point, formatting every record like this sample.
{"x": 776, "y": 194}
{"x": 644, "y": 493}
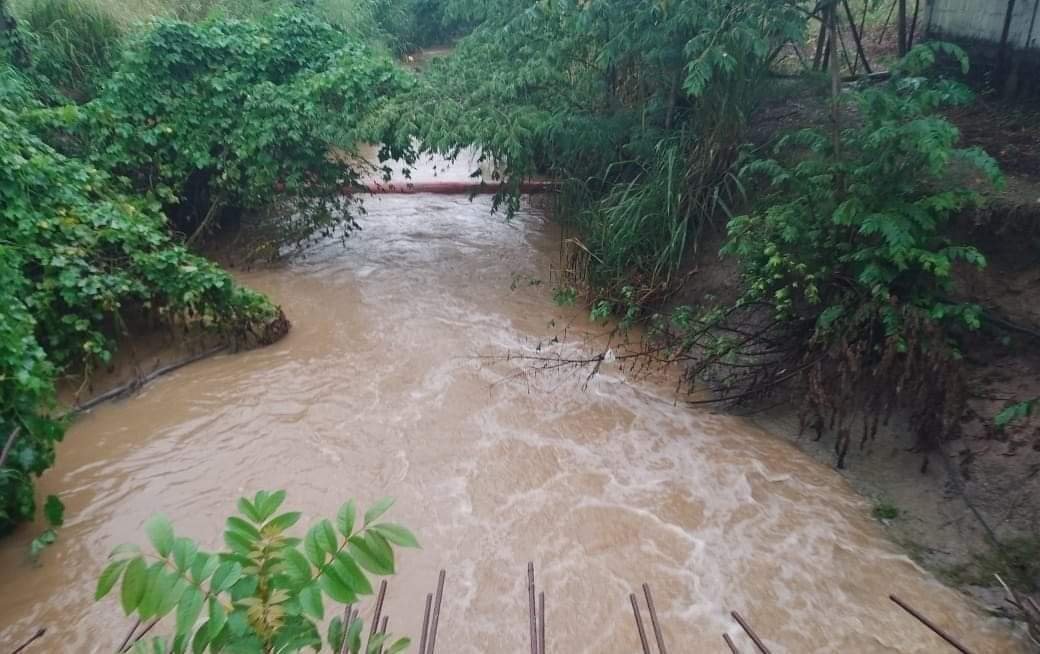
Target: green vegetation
{"x": 267, "y": 592}
{"x": 127, "y": 142}
{"x": 885, "y": 510}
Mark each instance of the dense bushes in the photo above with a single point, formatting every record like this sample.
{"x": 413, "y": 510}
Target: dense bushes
{"x": 196, "y": 124}
{"x": 228, "y": 116}
{"x": 79, "y": 259}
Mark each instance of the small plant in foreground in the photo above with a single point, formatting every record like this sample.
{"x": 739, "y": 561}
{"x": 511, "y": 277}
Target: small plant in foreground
{"x": 266, "y": 592}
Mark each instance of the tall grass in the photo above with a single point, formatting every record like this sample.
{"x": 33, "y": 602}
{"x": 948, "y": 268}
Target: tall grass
{"x": 73, "y": 42}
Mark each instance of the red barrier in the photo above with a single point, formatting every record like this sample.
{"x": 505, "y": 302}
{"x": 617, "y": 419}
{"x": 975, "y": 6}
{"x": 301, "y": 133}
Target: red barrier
{"x": 457, "y": 188}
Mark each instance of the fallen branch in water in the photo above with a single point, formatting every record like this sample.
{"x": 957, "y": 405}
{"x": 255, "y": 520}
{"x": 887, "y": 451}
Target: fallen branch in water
{"x": 136, "y": 384}
{"x": 39, "y": 634}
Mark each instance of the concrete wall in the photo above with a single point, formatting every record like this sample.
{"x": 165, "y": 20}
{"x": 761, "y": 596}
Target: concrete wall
{"x": 983, "y": 20}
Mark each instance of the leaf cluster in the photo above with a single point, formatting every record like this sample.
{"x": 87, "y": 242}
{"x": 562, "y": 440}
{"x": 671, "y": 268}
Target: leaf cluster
{"x": 266, "y": 592}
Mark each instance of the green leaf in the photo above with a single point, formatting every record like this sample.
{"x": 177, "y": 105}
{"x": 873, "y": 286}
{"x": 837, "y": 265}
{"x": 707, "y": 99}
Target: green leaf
{"x": 310, "y": 602}
{"x": 54, "y": 511}
{"x": 160, "y": 532}
{"x": 336, "y": 587}
{"x": 246, "y": 508}
{"x": 203, "y": 566}
{"x": 396, "y": 534}
{"x": 336, "y": 633}
{"x": 345, "y": 518}
{"x": 189, "y": 609}
{"x": 184, "y": 551}
{"x": 375, "y": 644}
{"x": 125, "y": 552}
{"x": 201, "y": 639}
{"x": 378, "y": 509}
{"x": 327, "y": 537}
{"x": 242, "y": 527}
{"x": 400, "y": 645}
{"x": 225, "y": 576}
{"x": 280, "y": 523}
{"x": 109, "y": 577}
{"x": 311, "y": 546}
{"x": 133, "y": 585}
{"x": 217, "y": 618}
{"x": 269, "y": 505}
{"x": 354, "y": 634}
{"x": 149, "y": 604}
{"x": 238, "y": 542}
{"x": 372, "y": 553}
{"x": 349, "y": 571}
{"x": 296, "y": 565}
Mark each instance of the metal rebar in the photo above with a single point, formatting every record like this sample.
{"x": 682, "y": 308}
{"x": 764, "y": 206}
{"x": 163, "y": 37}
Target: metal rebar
{"x": 750, "y": 632}
{"x": 382, "y": 632}
{"x": 541, "y": 623}
{"x": 144, "y": 632}
{"x": 658, "y": 636}
{"x": 531, "y": 615}
{"x": 378, "y": 612}
{"x": 32, "y": 639}
{"x": 122, "y": 646}
{"x": 729, "y": 643}
{"x": 639, "y": 623}
{"x": 931, "y": 625}
{"x": 436, "y": 613}
{"x": 348, "y": 617}
{"x": 425, "y": 624}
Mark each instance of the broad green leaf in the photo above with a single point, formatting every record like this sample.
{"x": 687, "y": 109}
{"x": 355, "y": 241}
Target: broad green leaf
{"x": 354, "y": 634}
{"x": 369, "y": 552}
{"x": 378, "y": 509}
{"x": 336, "y": 633}
{"x": 310, "y": 602}
{"x": 201, "y": 639}
{"x": 160, "y": 532}
{"x": 349, "y": 571}
{"x": 400, "y": 645}
{"x": 184, "y": 550}
{"x": 375, "y": 644}
{"x": 280, "y": 523}
{"x": 217, "y": 618}
{"x": 345, "y": 518}
{"x": 246, "y": 508}
{"x": 327, "y": 537}
{"x": 225, "y": 576}
{"x": 312, "y": 548}
{"x": 239, "y": 525}
{"x": 172, "y": 597}
{"x": 189, "y": 609}
{"x": 203, "y": 566}
{"x": 133, "y": 585}
{"x": 396, "y": 534}
{"x": 296, "y": 565}
{"x": 109, "y": 577}
{"x": 270, "y": 504}
{"x": 336, "y": 587}
{"x": 238, "y": 543}
{"x": 149, "y": 604}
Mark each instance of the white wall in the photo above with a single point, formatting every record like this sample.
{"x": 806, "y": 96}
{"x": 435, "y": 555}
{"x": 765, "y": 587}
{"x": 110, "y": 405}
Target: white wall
{"x": 984, "y": 19}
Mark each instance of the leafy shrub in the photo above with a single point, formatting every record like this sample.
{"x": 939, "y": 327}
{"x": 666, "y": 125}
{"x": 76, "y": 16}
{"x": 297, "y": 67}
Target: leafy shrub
{"x": 78, "y": 260}
{"x": 266, "y": 592}
{"x": 849, "y": 249}
{"x": 227, "y": 116}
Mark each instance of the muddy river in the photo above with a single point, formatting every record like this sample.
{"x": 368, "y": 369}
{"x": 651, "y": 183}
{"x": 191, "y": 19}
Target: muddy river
{"x": 378, "y": 390}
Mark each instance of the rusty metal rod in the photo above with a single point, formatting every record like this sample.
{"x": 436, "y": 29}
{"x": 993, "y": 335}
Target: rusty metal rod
{"x": 729, "y": 643}
{"x": 348, "y": 618}
{"x": 382, "y": 632}
{"x": 436, "y": 613}
{"x": 931, "y": 625}
{"x": 378, "y": 612}
{"x": 531, "y": 615}
{"x": 658, "y": 636}
{"x": 639, "y": 623}
{"x": 425, "y": 624}
{"x": 144, "y": 632}
{"x": 130, "y": 635}
{"x": 541, "y": 623}
{"x": 750, "y": 632}
{"x": 32, "y": 639}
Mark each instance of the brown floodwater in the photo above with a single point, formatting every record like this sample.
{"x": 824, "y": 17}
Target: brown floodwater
{"x": 379, "y": 390}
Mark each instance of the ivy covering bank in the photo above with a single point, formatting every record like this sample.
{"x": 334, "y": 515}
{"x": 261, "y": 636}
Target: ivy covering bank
{"x": 194, "y": 129}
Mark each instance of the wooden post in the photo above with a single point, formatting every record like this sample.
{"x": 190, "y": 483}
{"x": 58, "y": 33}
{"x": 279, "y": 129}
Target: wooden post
{"x": 1004, "y": 68}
